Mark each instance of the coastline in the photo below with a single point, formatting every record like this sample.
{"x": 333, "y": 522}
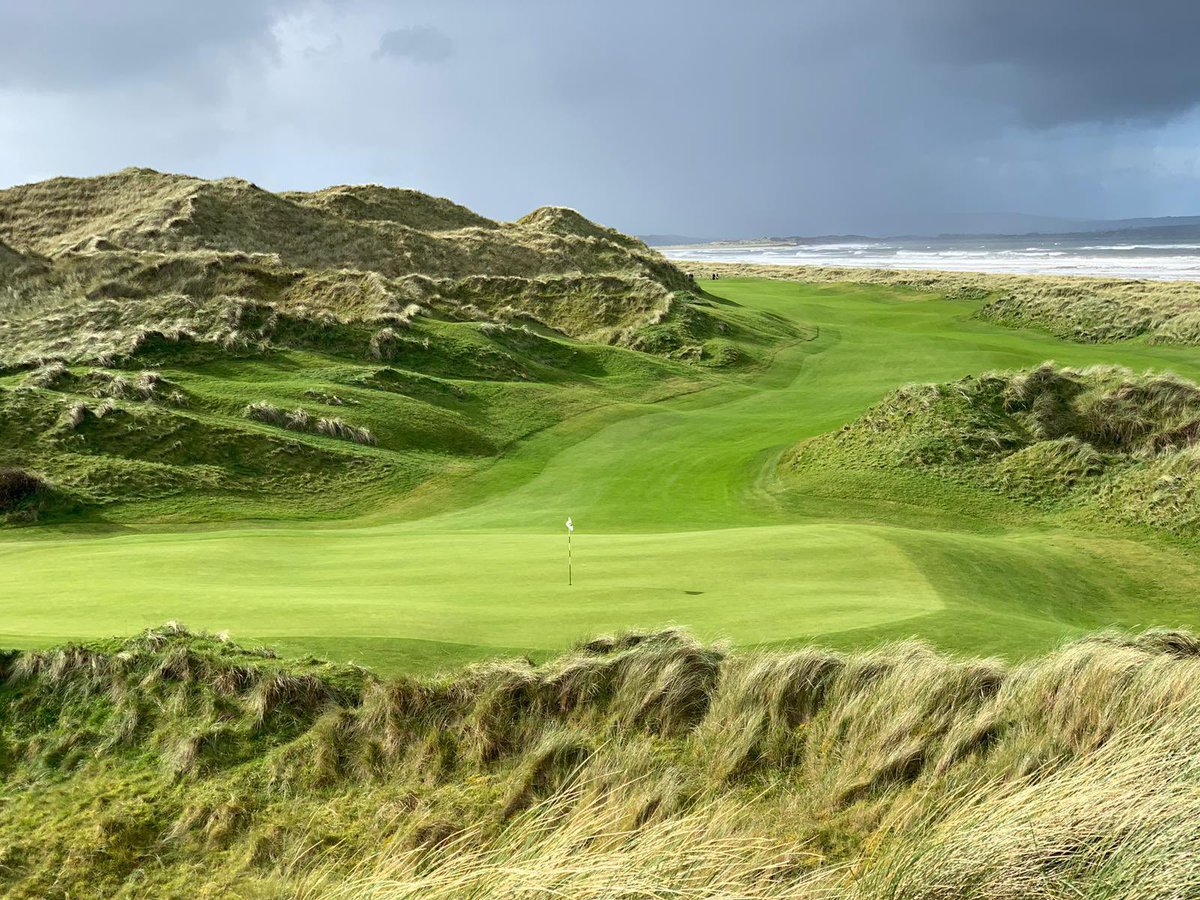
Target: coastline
{"x": 949, "y": 281}
{"x": 1036, "y": 255}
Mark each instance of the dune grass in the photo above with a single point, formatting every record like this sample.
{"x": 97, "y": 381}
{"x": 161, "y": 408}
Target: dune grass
{"x": 1101, "y": 441}
{"x": 636, "y": 765}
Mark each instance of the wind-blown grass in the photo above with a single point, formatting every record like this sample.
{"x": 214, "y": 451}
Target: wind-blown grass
{"x": 642, "y": 765}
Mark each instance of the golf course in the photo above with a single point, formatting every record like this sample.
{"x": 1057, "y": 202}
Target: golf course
{"x": 550, "y": 451}
{"x": 683, "y": 517}
{"x": 880, "y": 584}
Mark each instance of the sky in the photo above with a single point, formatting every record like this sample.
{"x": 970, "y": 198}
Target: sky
{"x": 688, "y": 117}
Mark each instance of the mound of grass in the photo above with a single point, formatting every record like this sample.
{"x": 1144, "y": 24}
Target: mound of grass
{"x": 143, "y": 257}
{"x": 1103, "y": 437}
{"x": 567, "y": 222}
{"x": 375, "y": 203}
{"x": 108, "y": 439}
{"x": 22, "y": 494}
{"x": 644, "y": 759}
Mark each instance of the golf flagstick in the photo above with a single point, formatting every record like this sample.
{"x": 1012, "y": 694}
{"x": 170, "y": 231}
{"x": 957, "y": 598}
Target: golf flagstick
{"x": 570, "y": 531}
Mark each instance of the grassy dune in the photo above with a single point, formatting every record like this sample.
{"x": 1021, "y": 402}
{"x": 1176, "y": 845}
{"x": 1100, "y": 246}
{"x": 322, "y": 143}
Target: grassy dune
{"x": 1097, "y": 442}
{"x": 645, "y": 765}
{"x": 179, "y": 349}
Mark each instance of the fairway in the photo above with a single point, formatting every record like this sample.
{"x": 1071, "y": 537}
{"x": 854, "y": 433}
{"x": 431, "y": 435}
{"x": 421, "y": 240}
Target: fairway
{"x": 681, "y": 520}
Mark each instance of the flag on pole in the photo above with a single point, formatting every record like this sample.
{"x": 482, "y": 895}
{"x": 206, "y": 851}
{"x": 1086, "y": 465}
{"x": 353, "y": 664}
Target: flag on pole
{"x": 570, "y": 531}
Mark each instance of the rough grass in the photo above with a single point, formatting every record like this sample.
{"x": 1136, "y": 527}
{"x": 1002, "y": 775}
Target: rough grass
{"x": 1094, "y": 310}
{"x": 1123, "y": 444}
{"x": 140, "y": 254}
{"x": 423, "y": 399}
{"x": 645, "y": 764}
{"x": 21, "y": 492}
{"x": 105, "y": 438}
{"x": 300, "y": 420}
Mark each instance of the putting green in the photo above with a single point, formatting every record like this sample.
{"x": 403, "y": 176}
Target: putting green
{"x": 681, "y": 520}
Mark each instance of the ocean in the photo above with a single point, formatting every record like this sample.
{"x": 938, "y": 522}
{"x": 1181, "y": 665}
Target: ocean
{"x": 1094, "y": 255}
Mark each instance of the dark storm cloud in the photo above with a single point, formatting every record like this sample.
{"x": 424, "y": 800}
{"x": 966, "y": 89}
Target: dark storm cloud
{"x": 418, "y": 43}
{"x": 83, "y": 44}
{"x": 685, "y": 116}
{"x": 1071, "y": 60}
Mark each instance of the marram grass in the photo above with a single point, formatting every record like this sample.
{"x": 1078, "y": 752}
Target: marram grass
{"x": 1119, "y": 444}
{"x": 645, "y": 765}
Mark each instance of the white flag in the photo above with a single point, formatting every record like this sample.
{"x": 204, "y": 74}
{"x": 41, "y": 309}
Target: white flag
{"x": 570, "y": 526}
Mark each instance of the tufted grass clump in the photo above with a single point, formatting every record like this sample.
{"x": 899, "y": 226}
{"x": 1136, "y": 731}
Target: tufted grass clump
{"x": 336, "y": 428}
{"x": 645, "y": 759}
{"x": 1104, "y": 437}
{"x": 301, "y": 420}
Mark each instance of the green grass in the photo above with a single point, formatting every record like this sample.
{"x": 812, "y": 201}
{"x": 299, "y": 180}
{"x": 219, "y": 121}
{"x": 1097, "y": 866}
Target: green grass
{"x": 175, "y": 764}
{"x": 1094, "y": 310}
{"x": 682, "y": 518}
{"x": 1093, "y": 443}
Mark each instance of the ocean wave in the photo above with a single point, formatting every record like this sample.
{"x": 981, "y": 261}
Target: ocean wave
{"x": 1168, "y": 262}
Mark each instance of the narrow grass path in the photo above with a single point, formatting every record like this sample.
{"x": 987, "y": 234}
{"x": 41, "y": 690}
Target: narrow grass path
{"x": 681, "y": 520}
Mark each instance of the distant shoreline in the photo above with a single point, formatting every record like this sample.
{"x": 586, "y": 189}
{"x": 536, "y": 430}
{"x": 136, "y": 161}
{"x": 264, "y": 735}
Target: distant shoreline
{"x": 1095, "y": 257}
{"x": 954, "y": 281}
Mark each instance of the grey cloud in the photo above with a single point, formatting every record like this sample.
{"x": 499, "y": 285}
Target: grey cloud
{"x": 1070, "y": 60}
{"x": 685, "y": 116}
{"x": 64, "y": 45}
{"x": 418, "y": 43}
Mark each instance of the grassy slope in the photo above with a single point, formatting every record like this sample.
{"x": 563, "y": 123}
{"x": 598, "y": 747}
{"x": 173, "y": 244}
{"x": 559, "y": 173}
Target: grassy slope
{"x": 175, "y": 349}
{"x": 182, "y": 765}
{"x": 681, "y": 519}
{"x": 1096, "y": 442}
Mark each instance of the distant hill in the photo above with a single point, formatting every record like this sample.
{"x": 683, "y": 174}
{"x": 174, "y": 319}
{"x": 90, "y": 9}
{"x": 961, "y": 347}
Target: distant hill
{"x": 671, "y": 240}
{"x": 1179, "y": 228}
{"x": 1022, "y": 224}
{"x": 991, "y": 226}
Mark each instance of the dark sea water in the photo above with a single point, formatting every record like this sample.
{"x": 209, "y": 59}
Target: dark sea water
{"x": 1095, "y": 255}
